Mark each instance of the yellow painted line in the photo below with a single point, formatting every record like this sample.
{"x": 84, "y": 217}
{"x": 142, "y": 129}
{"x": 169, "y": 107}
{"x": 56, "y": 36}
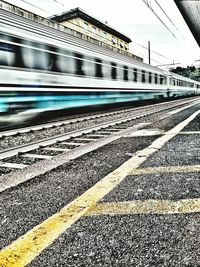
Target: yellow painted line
{"x": 169, "y": 169}
{"x": 146, "y": 207}
{"x": 22, "y": 251}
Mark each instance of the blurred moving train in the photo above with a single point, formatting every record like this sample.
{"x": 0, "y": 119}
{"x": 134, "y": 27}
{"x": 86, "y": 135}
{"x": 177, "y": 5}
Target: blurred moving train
{"x": 44, "y": 69}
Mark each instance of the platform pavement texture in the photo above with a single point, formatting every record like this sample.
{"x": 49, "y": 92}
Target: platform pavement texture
{"x": 134, "y": 202}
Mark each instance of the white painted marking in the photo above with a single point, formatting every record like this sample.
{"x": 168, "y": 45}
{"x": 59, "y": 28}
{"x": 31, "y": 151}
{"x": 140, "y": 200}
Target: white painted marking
{"x": 12, "y": 165}
{"x": 86, "y": 139}
{"x": 145, "y": 132}
{"x": 111, "y": 130}
{"x": 56, "y": 149}
{"x": 95, "y": 135}
{"x": 72, "y": 144}
{"x": 190, "y": 132}
{"x": 28, "y": 155}
{"x": 116, "y": 129}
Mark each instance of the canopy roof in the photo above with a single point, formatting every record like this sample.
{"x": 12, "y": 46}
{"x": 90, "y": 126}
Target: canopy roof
{"x": 190, "y": 10}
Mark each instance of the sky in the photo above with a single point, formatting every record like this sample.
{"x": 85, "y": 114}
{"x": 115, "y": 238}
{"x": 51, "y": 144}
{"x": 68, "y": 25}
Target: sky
{"x": 134, "y": 19}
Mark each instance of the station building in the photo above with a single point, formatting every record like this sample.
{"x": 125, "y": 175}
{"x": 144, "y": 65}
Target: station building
{"x": 78, "y": 23}
{"x": 79, "y": 20}
{"x": 94, "y": 30}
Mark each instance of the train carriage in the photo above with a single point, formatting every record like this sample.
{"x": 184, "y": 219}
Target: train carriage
{"x": 41, "y": 72}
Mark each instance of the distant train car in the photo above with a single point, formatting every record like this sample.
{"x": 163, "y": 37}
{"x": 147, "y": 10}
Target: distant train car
{"x": 41, "y": 71}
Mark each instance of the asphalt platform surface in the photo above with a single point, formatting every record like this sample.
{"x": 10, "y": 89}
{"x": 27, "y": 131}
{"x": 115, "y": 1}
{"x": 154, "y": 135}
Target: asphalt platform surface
{"x": 114, "y": 237}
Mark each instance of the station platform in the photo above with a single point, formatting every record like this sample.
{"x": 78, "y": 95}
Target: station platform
{"x": 132, "y": 202}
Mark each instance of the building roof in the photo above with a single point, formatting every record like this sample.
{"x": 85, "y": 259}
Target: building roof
{"x": 78, "y": 12}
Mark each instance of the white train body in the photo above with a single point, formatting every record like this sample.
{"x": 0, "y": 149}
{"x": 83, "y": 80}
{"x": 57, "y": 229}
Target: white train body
{"x": 45, "y": 69}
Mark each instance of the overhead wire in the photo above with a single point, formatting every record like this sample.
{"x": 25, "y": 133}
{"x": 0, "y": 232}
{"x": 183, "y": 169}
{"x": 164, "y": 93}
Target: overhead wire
{"x": 35, "y": 6}
{"x": 151, "y": 50}
{"x": 93, "y": 32}
{"x": 169, "y": 19}
{"x": 158, "y": 17}
{"x": 155, "y": 61}
{"x": 180, "y": 34}
{"x": 166, "y": 15}
{"x": 58, "y": 2}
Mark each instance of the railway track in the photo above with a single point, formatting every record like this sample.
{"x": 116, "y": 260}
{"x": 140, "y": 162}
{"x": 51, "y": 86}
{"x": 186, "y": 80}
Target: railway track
{"x": 57, "y": 124}
{"x": 79, "y": 118}
{"x": 109, "y": 125}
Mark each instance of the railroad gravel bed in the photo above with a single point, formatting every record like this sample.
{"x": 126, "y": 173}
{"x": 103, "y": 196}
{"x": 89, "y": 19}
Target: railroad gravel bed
{"x": 22, "y": 160}
{"x": 24, "y": 138}
{"x": 4, "y": 170}
{"x": 60, "y": 145}
{"x": 194, "y": 125}
{"x": 170, "y": 122}
{"x": 45, "y": 152}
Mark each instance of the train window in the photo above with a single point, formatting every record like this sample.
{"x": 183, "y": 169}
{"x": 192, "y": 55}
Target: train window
{"x": 161, "y": 79}
{"x": 18, "y": 53}
{"x": 7, "y": 51}
{"x": 65, "y": 61}
{"x": 35, "y": 55}
{"x": 98, "y": 68}
{"x": 120, "y": 73}
{"x": 130, "y": 74}
{"x": 113, "y": 71}
{"x": 150, "y": 77}
{"x": 135, "y": 74}
{"x": 79, "y": 64}
{"x": 125, "y": 73}
{"x": 89, "y": 66}
{"x": 143, "y": 76}
{"x": 53, "y": 59}
{"x": 106, "y": 69}
{"x": 156, "y": 78}
{"x": 7, "y": 54}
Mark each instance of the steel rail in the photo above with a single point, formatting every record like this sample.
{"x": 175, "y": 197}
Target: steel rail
{"x": 74, "y": 120}
{"x": 7, "y": 153}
